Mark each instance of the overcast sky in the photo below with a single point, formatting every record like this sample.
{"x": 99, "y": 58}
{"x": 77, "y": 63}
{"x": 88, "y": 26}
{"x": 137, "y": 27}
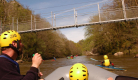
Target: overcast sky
{"x": 44, "y": 7}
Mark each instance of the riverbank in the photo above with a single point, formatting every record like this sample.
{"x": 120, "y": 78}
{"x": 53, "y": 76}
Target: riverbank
{"x": 19, "y": 61}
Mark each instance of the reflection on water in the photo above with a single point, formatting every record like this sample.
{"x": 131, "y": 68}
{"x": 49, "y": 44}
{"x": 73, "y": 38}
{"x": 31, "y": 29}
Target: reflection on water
{"x": 127, "y": 62}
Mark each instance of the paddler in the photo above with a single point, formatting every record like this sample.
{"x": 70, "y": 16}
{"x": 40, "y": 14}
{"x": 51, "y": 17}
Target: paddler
{"x": 106, "y": 61}
{"x": 71, "y": 56}
{"x": 54, "y": 58}
{"x": 11, "y": 47}
{"x": 78, "y": 72}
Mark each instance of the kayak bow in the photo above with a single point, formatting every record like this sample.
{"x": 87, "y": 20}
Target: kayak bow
{"x": 111, "y": 68}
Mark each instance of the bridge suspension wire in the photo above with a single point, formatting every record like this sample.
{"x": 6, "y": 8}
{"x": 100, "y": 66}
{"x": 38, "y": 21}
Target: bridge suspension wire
{"x": 75, "y": 17}
{"x": 90, "y": 4}
{"x": 64, "y": 5}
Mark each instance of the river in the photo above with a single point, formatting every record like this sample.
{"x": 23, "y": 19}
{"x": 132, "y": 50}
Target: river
{"x": 126, "y": 62}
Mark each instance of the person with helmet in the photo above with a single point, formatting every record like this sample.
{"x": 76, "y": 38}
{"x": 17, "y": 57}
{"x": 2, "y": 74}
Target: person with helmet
{"x": 71, "y": 56}
{"x": 78, "y": 72}
{"x": 106, "y": 61}
{"x": 11, "y": 48}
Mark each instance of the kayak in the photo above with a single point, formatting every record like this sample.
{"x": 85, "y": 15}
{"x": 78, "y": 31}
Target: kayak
{"x": 111, "y": 68}
{"x": 95, "y": 73}
{"x": 52, "y": 60}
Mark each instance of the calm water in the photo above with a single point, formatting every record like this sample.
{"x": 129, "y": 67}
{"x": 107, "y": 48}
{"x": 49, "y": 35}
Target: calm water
{"x": 126, "y": 62}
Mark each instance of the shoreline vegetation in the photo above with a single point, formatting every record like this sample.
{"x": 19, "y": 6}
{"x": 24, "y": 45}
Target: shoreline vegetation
{"x": 19, "y": 61}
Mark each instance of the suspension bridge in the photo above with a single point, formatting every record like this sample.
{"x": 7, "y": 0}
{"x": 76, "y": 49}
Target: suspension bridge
{"x": 77, "y": 17}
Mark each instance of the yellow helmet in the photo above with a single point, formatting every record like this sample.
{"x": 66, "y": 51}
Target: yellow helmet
{"x": 105, "y": 57}
{"x": 8, "y": 37}
{"x": 78, "y": 72}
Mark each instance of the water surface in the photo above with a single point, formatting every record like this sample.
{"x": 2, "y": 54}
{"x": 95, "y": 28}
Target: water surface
{"x": 126, "y": 62}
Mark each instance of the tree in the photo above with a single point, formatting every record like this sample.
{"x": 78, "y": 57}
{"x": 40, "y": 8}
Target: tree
{"x": 113, "y": 37}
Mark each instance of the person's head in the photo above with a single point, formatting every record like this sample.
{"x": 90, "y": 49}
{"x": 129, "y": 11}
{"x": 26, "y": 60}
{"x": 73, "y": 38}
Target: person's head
{"x": 78, "y": 72}
{"x": 105, "y": 57}
{"x": 11, "y": 39}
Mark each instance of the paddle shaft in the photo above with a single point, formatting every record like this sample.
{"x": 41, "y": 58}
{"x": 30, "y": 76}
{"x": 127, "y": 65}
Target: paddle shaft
{"x": 97, "y": 60}
{"x": 38, "y": 67}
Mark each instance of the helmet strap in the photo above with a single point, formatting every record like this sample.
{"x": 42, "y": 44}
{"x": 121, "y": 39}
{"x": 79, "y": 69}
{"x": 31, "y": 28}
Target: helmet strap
{"x": 18, "y": 46}
{"x": 14, "y": 48}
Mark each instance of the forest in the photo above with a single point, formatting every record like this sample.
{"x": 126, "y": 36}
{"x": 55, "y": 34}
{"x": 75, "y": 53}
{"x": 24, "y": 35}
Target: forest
{"x": 113, "y": 37}
{"x": 103, "y": 39}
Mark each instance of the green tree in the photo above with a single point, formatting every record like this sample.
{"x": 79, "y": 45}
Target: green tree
{"x": 113, "y": 37}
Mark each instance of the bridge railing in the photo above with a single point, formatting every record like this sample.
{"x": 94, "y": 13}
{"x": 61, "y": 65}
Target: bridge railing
{"x": 76, "y": 17}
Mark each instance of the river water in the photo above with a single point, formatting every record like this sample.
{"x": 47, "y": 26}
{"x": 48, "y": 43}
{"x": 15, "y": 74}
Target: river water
{"x": 126, "y": 62}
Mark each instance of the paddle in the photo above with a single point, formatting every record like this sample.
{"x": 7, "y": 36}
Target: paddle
{"x": 98, "y": 61}
{"x": 114, "y": 67}
{"x": 39, "y": 67}
{"x": 101, "y": 61}
{"x": 95, "y": 60}
{"x": 39, "y": 71}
